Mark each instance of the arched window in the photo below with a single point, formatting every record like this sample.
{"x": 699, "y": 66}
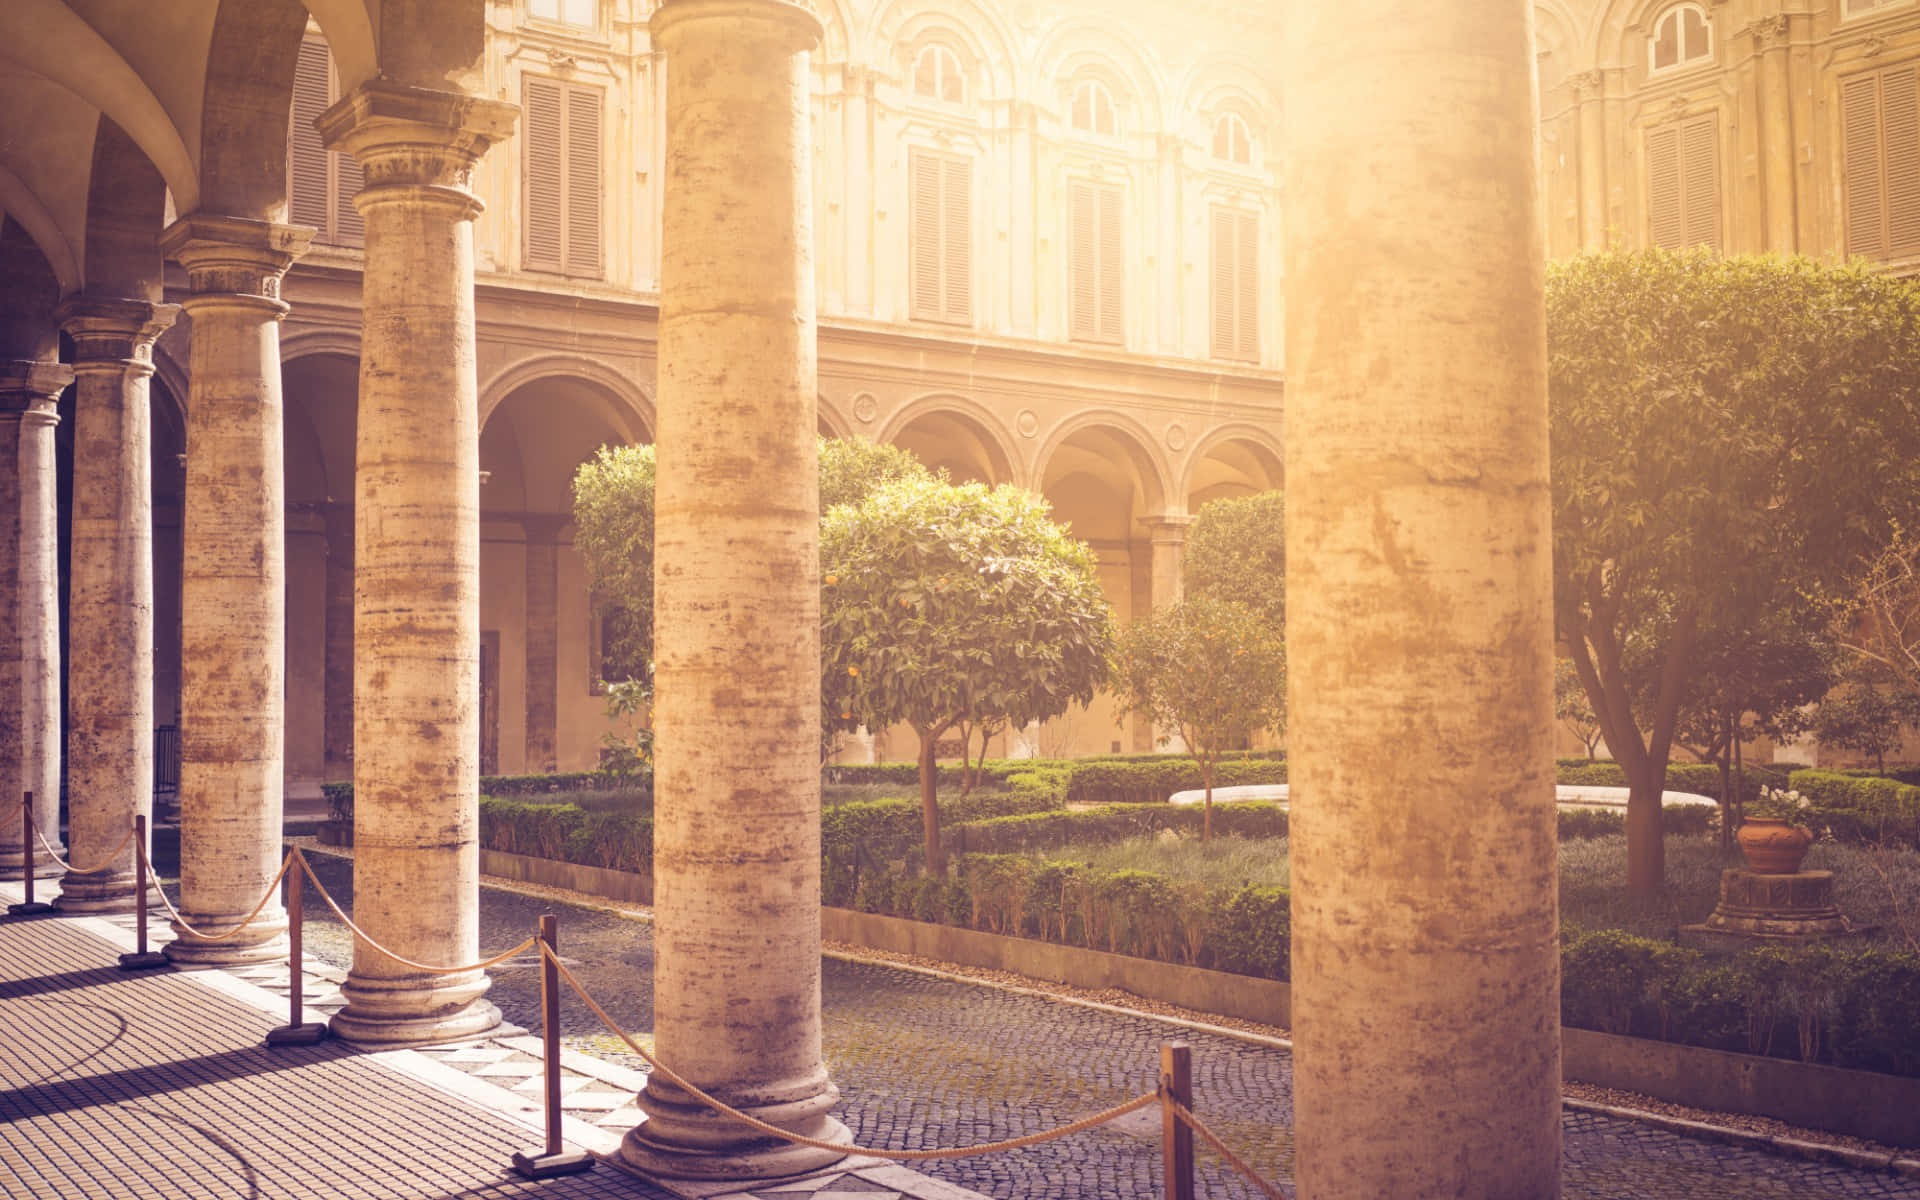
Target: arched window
{"x": 1231, "y": 141}
{"x": 937, "y": 75}
{"x": 1093, "y": 109}
{"x": 1681, "y": 36}
{"x": 584, "y": 14}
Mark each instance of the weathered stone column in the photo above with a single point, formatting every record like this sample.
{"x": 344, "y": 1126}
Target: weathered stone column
{"x": 416, "y": 629}
{"x": 110, "y": 595}
{"x": 233, "y": 587}
{"x": 29, "y": 609}
{"x": 1591, "y": 88}
{"x": 1425, "y": 956}
{"x": 543, "y": 638}
{"x": 736, "y": 991}
{"x": 1168, "y": 534}
{"x": 338, "y": 632}
{"x": 1771, "y": 42}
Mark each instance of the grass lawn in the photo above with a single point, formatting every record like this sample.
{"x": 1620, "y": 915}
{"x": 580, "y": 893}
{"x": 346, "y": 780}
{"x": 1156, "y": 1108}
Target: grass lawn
{"x": 1873, "y": 887}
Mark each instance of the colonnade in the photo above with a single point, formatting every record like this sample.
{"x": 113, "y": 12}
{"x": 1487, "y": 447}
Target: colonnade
{"x": 1417, "y": 522}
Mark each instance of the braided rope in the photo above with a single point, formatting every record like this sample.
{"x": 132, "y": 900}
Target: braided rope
{"x": 426, "y": 968}
{"x": 203, "y": 936}
{"x": 68, "y": 866}
{"x": 1233, "y": 1160}
{"x": 721, "y": 1106}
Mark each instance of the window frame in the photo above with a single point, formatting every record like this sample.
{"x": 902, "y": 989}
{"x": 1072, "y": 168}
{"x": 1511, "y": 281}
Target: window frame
{"x": 1677, "y": 12}
{"x": 559, "y": 21}
{"x": 567, "y": 265}
{"x": 1232, "y": 122}
{"x": 949, "y": 57}
{"x": 952, "y": 242}
{"x": 1098, "y": 90}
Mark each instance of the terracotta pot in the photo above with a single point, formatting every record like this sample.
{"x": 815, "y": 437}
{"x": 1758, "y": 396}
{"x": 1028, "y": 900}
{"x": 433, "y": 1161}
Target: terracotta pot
{"x": 1772, "y": 847}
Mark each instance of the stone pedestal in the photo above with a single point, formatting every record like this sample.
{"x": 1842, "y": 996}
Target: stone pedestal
{"x": 110, "y": 596}
{"x": 737, "y": 651}
{"x": 233, "y": 589}
{"x": 416, "y": 645}
{"x": 1758, "y": 909}
{"x": 29, "y": 611}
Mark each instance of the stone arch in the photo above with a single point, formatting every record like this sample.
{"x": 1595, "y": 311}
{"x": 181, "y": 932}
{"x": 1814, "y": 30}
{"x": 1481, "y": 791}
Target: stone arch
{"x": 899, "y": 28}
{"x": 19, "y": 203}
{"x": 244, "y": 113}
{"x": 300, "y": 343}
{"x": 836, "y": 39}
{"x": 538, "y": 431}
{"x": 1220, "y": 84}
{"x": 1075, "y": 48}
{"x": 437, "y": 44}
{"x": 349, "y": 31}
{"x": 1139, "y": 451}
{"x": 320, "y": 391}
{"x": 1232, "y": 459}
{"x": 126, "y": 204}
{"x": 1617, "y": 39}
{"x": 1556, "y": 41}
{"x": 635, "y": 420}
{"x": 953, "y": 431}
{"x": 831, "y": 421}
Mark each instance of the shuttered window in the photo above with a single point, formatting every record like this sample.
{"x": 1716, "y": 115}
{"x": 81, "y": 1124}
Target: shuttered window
{"x": 561, "y": 165}
{"x": 1683, "y": 183}
{"x": 1881, "y": 114}
{"x": 940, "y": 216}
{"x": 1236, "y": 283}
{"x": 321, "y": 184}
{"x": 1096, "y": 268}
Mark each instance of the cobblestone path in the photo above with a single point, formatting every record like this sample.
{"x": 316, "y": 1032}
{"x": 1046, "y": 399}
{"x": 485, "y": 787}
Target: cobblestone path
{"x": 925, "y": 1062}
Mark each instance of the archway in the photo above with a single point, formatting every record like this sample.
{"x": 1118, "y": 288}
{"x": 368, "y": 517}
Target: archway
{"x": 951, "y": 434}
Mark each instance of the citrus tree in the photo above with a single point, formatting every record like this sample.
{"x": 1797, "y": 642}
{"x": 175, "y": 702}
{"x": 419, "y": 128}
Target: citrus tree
{"x": 944, "y": 603}
{"x": 1730, "y": 436}
{"x": 1237, "y": 551}
{"x": 1213, "y": 669}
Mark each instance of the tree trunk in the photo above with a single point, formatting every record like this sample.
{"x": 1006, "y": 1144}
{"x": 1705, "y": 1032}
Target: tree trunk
{"x": 1736, "y": 803}
{"x": 929, "y": 805}
{"x": 1206, "y": 814}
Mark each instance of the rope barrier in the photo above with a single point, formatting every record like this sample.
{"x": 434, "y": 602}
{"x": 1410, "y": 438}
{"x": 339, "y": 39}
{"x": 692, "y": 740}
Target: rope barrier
{"x": 67, "y": 866}
{"x": 182, "y": 922}
{"x": 722, "y": 1107}
{"x": 404, "y": 961}
{"x": 1233, "y": 1160}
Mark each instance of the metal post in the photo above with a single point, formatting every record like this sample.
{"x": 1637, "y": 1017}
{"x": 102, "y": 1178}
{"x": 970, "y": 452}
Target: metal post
{"x": 1176, "y": 1085}
{"x": 30, "y": 907}
{"x": 556, "y": 1160}
{"x": 295, "y": 1032}
{"x": 142, "y": 959}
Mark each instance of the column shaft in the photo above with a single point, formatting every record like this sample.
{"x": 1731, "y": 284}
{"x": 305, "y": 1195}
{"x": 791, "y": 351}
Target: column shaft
{"x": 110, "y": 605}
{"x": 1593, "y": 160}
{"x": 29, "y": 609}
{"x": 233, "y": 589}
{"x": 416, "y": 560}
{"x": 1425, "y": 955}
{"x": 737, "y": 784}
{"x": 339, "y": 643}
{"x": 543, "y": 641}
{"x": 1776, "y": 131}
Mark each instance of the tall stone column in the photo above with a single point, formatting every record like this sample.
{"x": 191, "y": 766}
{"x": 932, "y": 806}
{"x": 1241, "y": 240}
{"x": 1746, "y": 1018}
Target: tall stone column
{"x": 1771, "y": 44}
{"x": 416, "y": 628}
{"x": 1590, "y": 87}
{"x": 29, "y": 609}
{"x": 736, "y": 992}
{"x": 233, "y": 587}
{"x": 1425, "y": 956}
{"x": 110, "y": 595}
{"x": 337, "y": 631}
{"x": 1168, "y": 534}
{"x": 543, "y": 639}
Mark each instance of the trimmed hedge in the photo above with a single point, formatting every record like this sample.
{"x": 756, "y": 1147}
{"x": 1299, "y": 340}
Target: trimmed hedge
{"x": 1132, "y": 781}
{"x": 1700, "y": 778}
{"x": 1861, "y": 808}
{"x": 339, "y": 796}
{"x": 617, "y": 840}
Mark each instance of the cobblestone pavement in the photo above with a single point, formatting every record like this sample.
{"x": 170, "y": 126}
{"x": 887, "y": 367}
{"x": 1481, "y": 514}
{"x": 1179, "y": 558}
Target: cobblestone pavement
{"x": 925, "y": 1061}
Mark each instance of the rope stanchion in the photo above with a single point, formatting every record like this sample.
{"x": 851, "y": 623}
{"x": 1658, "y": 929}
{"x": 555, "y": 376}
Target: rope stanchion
{"x": 29, "y": 907}
{"x": 142, "y": 959}
{"x": 68, "y": 865}
{"x": 295, "y": 1032}
{"x": 273, "y": 885}
{"x": 725, "y": 1109}
{"x": 1176, "y": 1085}
{"x": 427, "y": 968}
{"x": 1186, "y": 1116}
{"x": 557, "y": 1160}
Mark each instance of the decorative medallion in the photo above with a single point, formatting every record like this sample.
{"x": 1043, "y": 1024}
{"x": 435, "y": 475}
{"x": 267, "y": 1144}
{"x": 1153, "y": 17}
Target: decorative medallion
{"x": 1027, "y": 423}
{"x": 865, "y": 407}
{"x": 1176, "y": 437}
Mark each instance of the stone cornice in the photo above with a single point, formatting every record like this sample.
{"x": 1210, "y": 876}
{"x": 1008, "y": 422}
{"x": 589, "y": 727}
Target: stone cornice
{"x": 234, "y": 255}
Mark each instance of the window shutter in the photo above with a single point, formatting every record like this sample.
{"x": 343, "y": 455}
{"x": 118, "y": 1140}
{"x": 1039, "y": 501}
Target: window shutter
{"x": 1860, "y": 116}
{"x": 1224, "y": 289}
{"x": 1112, "y": 265}
{"x": 307, "y": 199}
{"x": 348, "y": 178}
{"x": 1700, "y": 181}
{"x": 1901, "y": 101}
{"x": 583, "y": 181}
{"x": 957, "y": 237}
{"x": 1247, "y": 288}
{"x": 545, "y": 165}
{"x": 925, "y": 172}
{"x": 1665, "y": 217}
{"x": 1083, "y": 262}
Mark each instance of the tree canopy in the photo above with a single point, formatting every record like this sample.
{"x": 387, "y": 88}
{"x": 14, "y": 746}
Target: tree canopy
{"x": 1237, "y": 551}
{"x": 1730, "y": 436}
{"x": 943, "y": 603}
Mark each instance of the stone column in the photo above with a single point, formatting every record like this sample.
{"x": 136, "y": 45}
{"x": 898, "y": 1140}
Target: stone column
{"x": 416, "y": 628}
{"x": 338, "y": 632}
{"x": 233, "y": 587}
{"x": 1168, "y": 534}
{"x": 1770, "y": 43}
{"x": 110, "y": 595}
{"x": 543, "y": 639}
{"x": 29, "y": 609}
{"x": 736, "y": 989}
{"x": 1590, "y": 88}
{"x": 1425, "y": 956}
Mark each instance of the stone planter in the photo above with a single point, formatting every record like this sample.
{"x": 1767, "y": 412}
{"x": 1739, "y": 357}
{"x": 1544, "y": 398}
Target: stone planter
{"x": 1772, "y": 847}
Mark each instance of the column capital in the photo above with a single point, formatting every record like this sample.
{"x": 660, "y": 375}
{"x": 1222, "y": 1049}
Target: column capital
{"x": 414, "y": 137}
{"x": 110, "y": 329}
{"x": 801, "y": 24}
{"x": 1770, "y": 31}
{"x": 234, "y": 255}
{"x": 32, "y": 385}
{"x": 544, "y": 528}
{"x": 1167, "y": 528}
{"x": 1589, "y": 85}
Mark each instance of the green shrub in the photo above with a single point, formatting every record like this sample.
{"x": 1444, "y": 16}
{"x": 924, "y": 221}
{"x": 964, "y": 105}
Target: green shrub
{"x": 1253, "y": 934}
{"x": 1861, "y": 808}
{"x": 1615, "y": 982}
{"x": 1152, "y": 780}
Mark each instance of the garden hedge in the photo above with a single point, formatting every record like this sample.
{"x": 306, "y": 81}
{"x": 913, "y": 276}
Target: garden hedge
{"x": 1861, "y": 808}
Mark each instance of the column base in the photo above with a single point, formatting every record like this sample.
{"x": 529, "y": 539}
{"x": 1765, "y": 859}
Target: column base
{"x": 99, "y": 892}
{"x": 684, "y": 1139}
{"x": 43, "y": 867}
{"x": 263, "y": 941}
{"x": 414, "y": 1010}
